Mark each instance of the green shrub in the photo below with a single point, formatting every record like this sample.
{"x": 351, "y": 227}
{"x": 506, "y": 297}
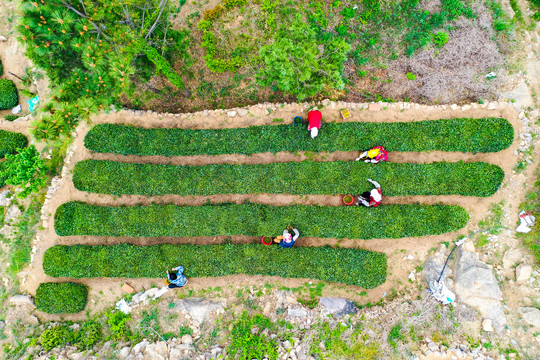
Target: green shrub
{"x": 1, "y": 68}
{"x": 56, "y": 336}
{"x": 89, "y": 335}
{"x": 249, "y": 339}
{"x": 117, "y": 322}
{"x": 307, "y": 177}
{"x": 11, "y": 141}
{"x": 61, "y": 298}
{"x": 11, "y": 117}
{"x": 233, "y": 3}
{"x": 343, "y": 265}
{"x": 355, "y": 222}
{"x": 8, "y": 94}
{"x": 411, "y": 76}
{"x": 476, "y": 135}
{"x": 440, "y": 38}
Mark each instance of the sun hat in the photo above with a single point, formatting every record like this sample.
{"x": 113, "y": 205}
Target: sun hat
{"x": 314, "y": 132}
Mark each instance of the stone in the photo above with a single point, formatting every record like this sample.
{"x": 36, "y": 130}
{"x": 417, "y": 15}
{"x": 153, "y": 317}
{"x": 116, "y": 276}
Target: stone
{"x": 124, "y": 352}
{"x": 19, "y": 300}
{"x": 3, "y": 38}
{"x": 187, "y": 339}
{"x": 454, "y": 107}
{"x": 337, "y": 306}
{"x": 76, "y": 356}
{"x": 374, "y": 107}
{"x": 511, "y": 257}
{"x": 297, "y": 312}
{"x": 231, "y": 113}
{"x": 487, "y": 326}
{"x": 2, "y": 325}
{"x": 138, "y": 348}
{"x": 523, "y": 273}
{"x": 531, "y": 315}
{"x": 465, "y": 107}
{"x": 242, "y": 112}
{"x": 521, "y": 96}
{"x": 199, "y": 309}
{"x": 13, "y": 212}
{"x": 156, "y": 351}
{"x": 434, "y": 264}
{"x": 128, "y": 288}
{"x": 287, "y": 345}
{"x": 175, "y": 353}
{"x": 433, "y": 347}
{"x": 5, "y": 198}
{"x": 492, "y": 106}
{"x": 325, "y": 102}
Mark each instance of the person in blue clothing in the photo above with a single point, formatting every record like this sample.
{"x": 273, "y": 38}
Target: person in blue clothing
{"x": 176, "y": 278}
{"x": 289, "y": 239}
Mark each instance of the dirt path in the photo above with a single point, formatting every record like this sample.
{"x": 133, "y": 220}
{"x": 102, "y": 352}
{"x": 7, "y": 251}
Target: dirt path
{"x": 396, "y": 249}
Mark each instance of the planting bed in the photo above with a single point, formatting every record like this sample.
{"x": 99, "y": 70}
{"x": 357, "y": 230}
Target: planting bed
{"x": 475, "y": 135}
{"x": 348, "y": 266}
{"x": 391, "y": 221}
{"x": 10, "y": 142}
{"x": 325, "y": 178}
{"x": 57, "y": 298}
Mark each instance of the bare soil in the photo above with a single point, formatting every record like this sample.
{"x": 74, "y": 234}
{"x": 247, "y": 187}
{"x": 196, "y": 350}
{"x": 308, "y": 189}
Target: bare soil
{"x": 103, "y": 292}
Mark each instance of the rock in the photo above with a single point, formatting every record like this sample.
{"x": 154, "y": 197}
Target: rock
{"x": 124, "y": 352}
{"x": 487, "y": 326}
{"x": 138, "y": 348}
{"x": 287, "y": 345}
{"x": 231, "y": 113}
{"x": 2, "y": 325}
{"x": 175, "y": 353}
{"x": 325, "y": 102}
{"x": 511, "y": 257}
{"x": 19, "y": 300}
{"x": 521, "y": 96}
{"x": 454, "y": 107}
{"x": 337, "y": 306}
{"x": 523, "y": 273}
{"x": 77, "y": 356}
{"x": 531, "y": 315}
{"x": 199, "y": 309}
{"x": 5, "y": 198}
{"x": 465, "y": 107}
{"x": 13, "y": 212}
{"x": 242, "y": 112}
{"x": 433, "y": 347}
{"x": 476, "y": 286}
{"x": 434, "y": 264}
{"x": 374, "y": 107}
{"x": 3, "y": 38}
{"x": 156, "y": 351}
{"x": 297, "y": 312}
{"x": 184, "y": 347}
{"x": 187, "y": 339}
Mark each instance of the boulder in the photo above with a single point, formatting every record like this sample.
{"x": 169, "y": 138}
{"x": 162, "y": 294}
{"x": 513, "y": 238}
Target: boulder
{"x": 487, "y": 326}
{"x": 434, "y": 264}
{"x": 187, "y": 339}
{"x": 199, "y": 309}
{"x": 531, "y": 315}
{"x": 138, "y": 348}
{"x": 156, "y": 351}
{"x": 19, "y": 300}
{"x": 242, "y": 112}
{"x": 12, "y": 213}
{"x": 297, "y": 312}
{"x": 523, "y": 273}
{"x": 124, "y": 352}
{"x": 5, "y": 198}
{"x": 77, "y": 356}
{"x": 337, "y": 306}
{"x": 511, "y": 257}
{"x": 231, "y": 113}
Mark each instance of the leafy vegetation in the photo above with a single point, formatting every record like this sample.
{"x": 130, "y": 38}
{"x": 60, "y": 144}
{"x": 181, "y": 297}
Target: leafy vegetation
{"x": 343, "y": 265}
{"x": 340, "y": 177}
{"x": 248, "y": 340}
{"x": 8, "y": 94}
{"x": 532, "y": 204}
{"x": 25, "y": 169}
{"x": 476, "y": 135}
{"x": 62, "y": 335}
{"x": 390, "y": 221}
{"x": 61, "y": 298}
{"x": 10, "y": 142}
{"x": 340, "y": 343}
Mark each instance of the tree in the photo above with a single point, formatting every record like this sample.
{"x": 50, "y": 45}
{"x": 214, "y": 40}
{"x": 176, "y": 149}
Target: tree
{"x": 25, "y": 169}
{"x": 297, "y": 63}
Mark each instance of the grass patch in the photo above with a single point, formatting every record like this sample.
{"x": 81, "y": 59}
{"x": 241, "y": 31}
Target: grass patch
{"x": 10, "y": 142}
{"x": 61, "y": 298}
{"x": 354, "y": 222}
{"x": 476, "y": 135}
{"x": 340, "y": 177}
{"x": 349, "y": 266}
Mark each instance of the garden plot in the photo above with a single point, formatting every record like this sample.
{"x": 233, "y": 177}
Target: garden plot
{"x": 394, "y": 249}
{"x": 301, "y": 178}
{"x": 347, "y": 266}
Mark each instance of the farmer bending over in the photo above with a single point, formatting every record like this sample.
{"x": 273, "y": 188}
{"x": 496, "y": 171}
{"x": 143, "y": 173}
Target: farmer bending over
{"x": 374, "y": 155}
{"x": 371, "y": 198}
{"x": 288, "y": 240}
{"x": 176, "y": 278}
{"x": 314, "y": 122}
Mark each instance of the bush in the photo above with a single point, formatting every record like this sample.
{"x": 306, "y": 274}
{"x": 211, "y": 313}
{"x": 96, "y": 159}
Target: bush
{"x": 89, "y": 335}
{"x": 476, "y": 135}
{"x": 8, "y": 94}
{"x": 11, "y": 117}
{"x": 343, "y": 265}
{"x": 249, "y": 338}
{"x": 10, "y": 142}
{"x": 355, "y": 222}
{"x": 411, "y": 76}
{"x": 61, "y": 298}
{"x": 324, "y": 178}
{"x": 56, "y": 336}
{"x": 440, "y": 38}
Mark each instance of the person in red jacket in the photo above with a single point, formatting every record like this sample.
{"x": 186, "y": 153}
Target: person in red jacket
{"x": 371, "y": 198}
{"x": 373, "y": 155}
{"x": 314, "y": 122}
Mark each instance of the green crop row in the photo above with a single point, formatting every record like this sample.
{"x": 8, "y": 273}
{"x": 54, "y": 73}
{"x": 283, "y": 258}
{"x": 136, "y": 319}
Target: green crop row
{"x": 354, "y": 222}
{"x": 349, "y": 266}
{"x": 10, "y": 142}
{"x": 58, "y": 298}
{"x": 476, "y": 135}
{"x": 340, "y": 177}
